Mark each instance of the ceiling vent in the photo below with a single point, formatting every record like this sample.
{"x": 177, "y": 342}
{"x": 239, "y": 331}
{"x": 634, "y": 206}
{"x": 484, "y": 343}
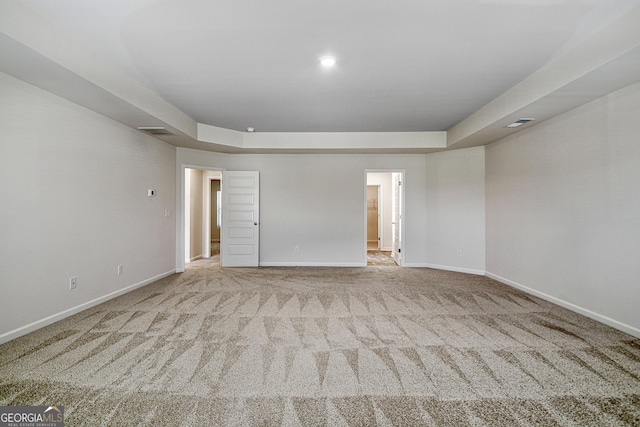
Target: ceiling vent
{"x": 155, "y": 130}
{"x": 520, "y": 122}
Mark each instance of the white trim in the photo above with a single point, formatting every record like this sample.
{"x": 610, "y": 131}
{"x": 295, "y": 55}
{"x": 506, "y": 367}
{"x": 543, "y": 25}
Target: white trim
{"x": 23, "y": 330}
{"x": 195, "y": 258}
{"x": 447, "y": 268}
{"x": 381, "y": 218}
{"x": 575, "y": 308}
{"x": 312, "y": 264}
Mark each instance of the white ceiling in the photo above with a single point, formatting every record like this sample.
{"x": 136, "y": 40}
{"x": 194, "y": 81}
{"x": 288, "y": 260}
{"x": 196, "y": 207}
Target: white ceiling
{"x": 403, "y": 66}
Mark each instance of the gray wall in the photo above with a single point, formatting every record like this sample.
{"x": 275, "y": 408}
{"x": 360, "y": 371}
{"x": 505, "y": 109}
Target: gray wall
{"x": 563, "y": 209}
{"x": 561, "y": 202}
{"x": 73, "y": 186}
{"x": 455, "y": 219}
{"x": 317, "y": 202}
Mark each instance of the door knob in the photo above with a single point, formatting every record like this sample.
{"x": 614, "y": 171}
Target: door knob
{"x": 255, "y": 223}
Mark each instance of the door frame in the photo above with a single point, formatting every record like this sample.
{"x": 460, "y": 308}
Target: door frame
{"x": 403, "y": 177}
{"x": 381, "y": 217}
{"x": 180, "y": 211}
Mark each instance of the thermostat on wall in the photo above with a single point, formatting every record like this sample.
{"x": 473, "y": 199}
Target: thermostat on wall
{"x": 151, "y": 193}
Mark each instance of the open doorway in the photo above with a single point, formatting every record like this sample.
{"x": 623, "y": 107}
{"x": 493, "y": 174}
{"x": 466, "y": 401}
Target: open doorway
{"x": 373, "y": 218}
{"x": 383, "y": 224}
{"x": 200, "y": 230}
{"x": 215, "y": 219}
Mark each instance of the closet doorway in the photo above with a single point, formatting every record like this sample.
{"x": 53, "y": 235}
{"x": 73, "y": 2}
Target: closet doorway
{"x": 373, "y": 217}
{"x": 200, "y": 214}
{"x": 215, "y": 218}
{"x": 384, "y": 203}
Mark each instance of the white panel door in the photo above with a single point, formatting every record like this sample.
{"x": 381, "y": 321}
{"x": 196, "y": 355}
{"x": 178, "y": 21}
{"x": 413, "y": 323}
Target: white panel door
{"x": 240, "y": 233}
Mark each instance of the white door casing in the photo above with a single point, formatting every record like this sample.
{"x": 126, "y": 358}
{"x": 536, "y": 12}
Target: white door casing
{"x": 240, "y": 234}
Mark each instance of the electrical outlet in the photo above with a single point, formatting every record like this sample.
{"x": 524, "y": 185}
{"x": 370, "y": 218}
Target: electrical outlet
{"x": 167, "y": 213}
{"x": 73, "y": 282}
{"x": 296, "y": 249}
{"x": 459, "y": 252}
{"x": 120, "y": 269}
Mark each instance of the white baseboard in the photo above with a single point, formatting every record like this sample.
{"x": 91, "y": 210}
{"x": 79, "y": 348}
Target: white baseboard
{"x": 446, "y": 267}
{"x": 311, "y": 264}
{"x": 195, "y": 258}
{"x": 364, "y": 264}
{"x": 575, "y": 308}
{"x": 23, "y": 330}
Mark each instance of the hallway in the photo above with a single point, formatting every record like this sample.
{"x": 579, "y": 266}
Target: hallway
{"x": 380, "y": 258}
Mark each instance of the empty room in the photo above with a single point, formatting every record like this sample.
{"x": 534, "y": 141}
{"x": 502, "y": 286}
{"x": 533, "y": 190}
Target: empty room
{"x": 320, "y": 213}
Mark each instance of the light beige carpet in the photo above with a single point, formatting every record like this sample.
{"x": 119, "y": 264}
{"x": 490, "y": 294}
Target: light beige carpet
{"x": 326, "y": 346}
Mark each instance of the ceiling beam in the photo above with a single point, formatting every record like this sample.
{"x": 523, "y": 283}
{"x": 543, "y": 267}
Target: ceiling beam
{"x": 606, "y": 61}
{"x": 53, "y": 61}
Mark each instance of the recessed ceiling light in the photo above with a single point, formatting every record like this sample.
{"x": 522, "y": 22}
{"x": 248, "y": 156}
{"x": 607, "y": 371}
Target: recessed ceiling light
{"x": 250, "y": 129}
{"x": 328, "y": 61}
{"x": 520, "y": 122}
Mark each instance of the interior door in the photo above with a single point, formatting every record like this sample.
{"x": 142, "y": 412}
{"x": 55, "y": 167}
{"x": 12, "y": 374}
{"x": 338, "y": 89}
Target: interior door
{"x": 240, "y": 234}
{"x": 396, "y": 219}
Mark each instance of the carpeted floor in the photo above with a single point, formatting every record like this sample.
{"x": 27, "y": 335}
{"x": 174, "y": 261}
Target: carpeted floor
{"x": 215, "y": 252}
{"x": 326, "y": 346}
